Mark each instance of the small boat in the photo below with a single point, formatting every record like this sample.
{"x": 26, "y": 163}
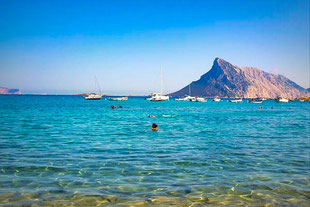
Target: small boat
{"x": 118, "y": 98}
{"x": 282, "y": 100}
{"x": 216, "y": 99}
{"x": 236, "y": 100}
{"x": 301, "y": 100}
{"x": 185, "y": 98}
{"x": 158, "y": 97}
{"x": 200, "y": 99}
{"x": 93, "y": 96}
{"x": 255, "y": 100}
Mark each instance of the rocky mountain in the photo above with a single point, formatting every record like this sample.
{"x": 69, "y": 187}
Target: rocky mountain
{"x": 4, "y": 90}
{"x": 227, "y": 80}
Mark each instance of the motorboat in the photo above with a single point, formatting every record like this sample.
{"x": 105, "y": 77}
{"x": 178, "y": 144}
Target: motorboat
{"x": 185, "y": 98}
{"x": 200, "y": 99}
{"x": 216, "y": 99}
{"x": 236, "y": 100}
{"x": 93, "y": 96}
{"x": 281, "y": 100}
{"x": 158, "y": 97}
{"x": 256, "y": 100}
{"x": 118, "y": 98}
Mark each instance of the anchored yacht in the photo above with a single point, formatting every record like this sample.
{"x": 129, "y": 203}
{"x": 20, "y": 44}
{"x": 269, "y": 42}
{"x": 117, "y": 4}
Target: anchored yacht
{"x": 281, "y": 100}
{"x": 187, "y": 97}
{"x": 255, "y": 100}
{"x": 159, "y": 96}
{"x": 236, "y": 100}
{"x": 94, "y": 96}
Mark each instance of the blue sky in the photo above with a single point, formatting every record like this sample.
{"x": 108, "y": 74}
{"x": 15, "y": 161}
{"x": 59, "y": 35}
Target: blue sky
{"x": 58, "y": 47}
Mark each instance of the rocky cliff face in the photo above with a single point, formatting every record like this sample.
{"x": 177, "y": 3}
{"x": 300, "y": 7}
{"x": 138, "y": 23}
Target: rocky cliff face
{"x": 227, "y": 80}
{"x": 9, "y": 90}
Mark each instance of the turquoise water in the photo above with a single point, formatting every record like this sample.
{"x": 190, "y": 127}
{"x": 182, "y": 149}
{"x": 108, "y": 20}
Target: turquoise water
{"x": 64, "y": 150}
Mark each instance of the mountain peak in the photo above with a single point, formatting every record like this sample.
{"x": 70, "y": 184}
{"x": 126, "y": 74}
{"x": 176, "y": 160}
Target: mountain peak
{"x": 221, "y": 66}
{"x": 228, "y": 80}
{"x": 220, "y": 63}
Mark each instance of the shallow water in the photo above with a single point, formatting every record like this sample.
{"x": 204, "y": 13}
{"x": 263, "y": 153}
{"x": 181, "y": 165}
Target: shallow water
{"x": 64, "y": 150}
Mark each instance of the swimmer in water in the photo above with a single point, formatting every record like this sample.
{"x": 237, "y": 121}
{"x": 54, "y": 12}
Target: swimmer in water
{"x": 113, "y": 107}
{"x": 154, "y": 127}
{"x": 120, "y": 107}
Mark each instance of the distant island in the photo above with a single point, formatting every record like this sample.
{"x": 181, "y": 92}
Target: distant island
{"x": 227, "y": 80}
{"x": 4, "y": 90}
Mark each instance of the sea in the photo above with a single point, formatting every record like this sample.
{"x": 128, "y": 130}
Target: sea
{"x": 67, "y": 151}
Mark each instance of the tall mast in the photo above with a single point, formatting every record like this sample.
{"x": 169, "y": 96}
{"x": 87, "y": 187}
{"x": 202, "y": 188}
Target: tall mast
{"x": 161, "y": 80}
{"x": 97, "y": 84}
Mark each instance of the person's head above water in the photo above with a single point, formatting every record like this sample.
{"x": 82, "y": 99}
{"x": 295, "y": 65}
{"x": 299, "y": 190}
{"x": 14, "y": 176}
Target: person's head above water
{"x": 154, "y": 127}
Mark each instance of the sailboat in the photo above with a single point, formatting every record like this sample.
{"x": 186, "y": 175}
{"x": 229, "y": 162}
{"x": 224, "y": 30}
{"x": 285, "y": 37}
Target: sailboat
{"x": 282, "y": 100}
{"x": 94, "y": 96}
{"x": 236, "y": 100}
{"x": 187, "y": 97}
{"x": 216, "y": 99}
{"x": 159, "y": 96}
{"x": 125, "y": 98}
{"x": 255, "y": 100}
{"x": 200, "y": 99}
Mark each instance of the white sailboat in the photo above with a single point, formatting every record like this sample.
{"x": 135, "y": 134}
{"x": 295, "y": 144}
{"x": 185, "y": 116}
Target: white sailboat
{"x": 236, "y": 100}
{"x": 200, "y": 99}
{"x": 159, "y": 96}
{"x": 125, "y": 98}
{"x": 282, "y": 100}
{"x": 216, "y": 99}
{"x": 94, "y": 96}
{"x": 187, "y": 97}
{"x": 255, "y": 100}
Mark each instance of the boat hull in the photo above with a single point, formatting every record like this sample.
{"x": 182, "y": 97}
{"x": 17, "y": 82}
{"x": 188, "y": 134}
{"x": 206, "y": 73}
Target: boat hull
{"x": 118, "y": 99}
{"x": 92, "y": 98}
{"x": 235, "y": 101}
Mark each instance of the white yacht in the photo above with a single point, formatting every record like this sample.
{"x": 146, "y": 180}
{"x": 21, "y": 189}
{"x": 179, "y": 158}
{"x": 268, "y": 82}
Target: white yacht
{"x": 236, "y": 100}
{"x": 255, "y": 100}
{"x": 216, "y": 99}
{"x": 200, "y": 99}
{"x": 94, "y": 96}
{"x": 159, "y": 96}
{"x": 187, "y": 97}
{"x": 125, "y": 98}
{"x": 282, "y": 100}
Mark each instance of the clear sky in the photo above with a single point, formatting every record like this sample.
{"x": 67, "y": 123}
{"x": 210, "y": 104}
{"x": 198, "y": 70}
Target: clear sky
{"x": 58, "y": 47}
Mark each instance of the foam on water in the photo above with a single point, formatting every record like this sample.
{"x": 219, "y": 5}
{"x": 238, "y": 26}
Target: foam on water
{"x": 64, "y": 150}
